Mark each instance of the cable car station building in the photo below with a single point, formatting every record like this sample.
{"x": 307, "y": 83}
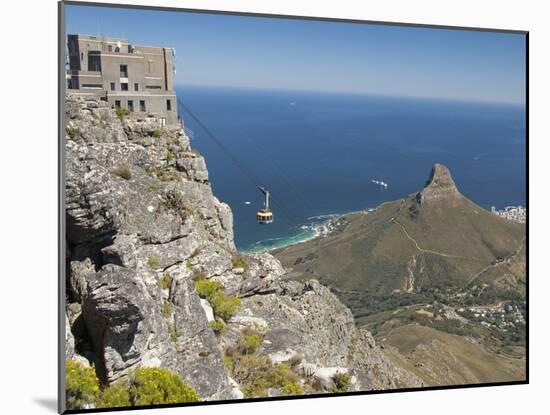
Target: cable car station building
{"x": 137, "y": 78}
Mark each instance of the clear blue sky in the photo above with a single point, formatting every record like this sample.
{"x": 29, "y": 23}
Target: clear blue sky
{"x": 323, "y": 56}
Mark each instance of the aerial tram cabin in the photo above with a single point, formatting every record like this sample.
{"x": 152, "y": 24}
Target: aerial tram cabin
{"x": 264, "y": 216}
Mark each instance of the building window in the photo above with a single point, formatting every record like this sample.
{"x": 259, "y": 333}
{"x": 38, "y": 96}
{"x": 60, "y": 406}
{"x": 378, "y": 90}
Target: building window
{"x": 136, "y": 87}
{"x": 113, "y": 86}
{"x": 152, "y": 86}
{"x": 149, "y": 64}
{"x": 142, "y": 106}
{"x": 94, "y": 62}
{"x": 169, "y": 105}
{"x": 92, "y": 86}
{"x": 124, "y": 71}
{"x": 130, "y": 106}
{"x": 117, "y": 104}
{"x": 117, "y": 49}
{"x": 109, "y": 48}
{"x": 124, "y": 86}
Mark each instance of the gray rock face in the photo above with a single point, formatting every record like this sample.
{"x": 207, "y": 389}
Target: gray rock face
{"x": 439, "y": 186}
{"x": 138, "y": 206}
{"x": 142, "y": 224}
{"x": 308, "y": 320}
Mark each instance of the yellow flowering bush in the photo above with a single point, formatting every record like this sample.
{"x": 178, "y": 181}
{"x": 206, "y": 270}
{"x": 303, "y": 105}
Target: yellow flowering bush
{"x": 114, "y": 396}
{"x": 81, "y": 385}
{"x": 153, "y": 386}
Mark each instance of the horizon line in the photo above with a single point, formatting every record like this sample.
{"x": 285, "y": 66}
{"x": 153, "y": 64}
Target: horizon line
{"x": 355, "y": 93}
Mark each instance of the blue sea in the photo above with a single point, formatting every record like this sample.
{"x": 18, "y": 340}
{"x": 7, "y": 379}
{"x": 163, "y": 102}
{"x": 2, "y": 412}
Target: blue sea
{"x": 318, "y": 152}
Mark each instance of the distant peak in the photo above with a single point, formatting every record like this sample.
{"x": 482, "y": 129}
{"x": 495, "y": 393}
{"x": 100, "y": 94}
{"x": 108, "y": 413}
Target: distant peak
{"x": 440, "y": 185}
{"x": 440, "y": 177}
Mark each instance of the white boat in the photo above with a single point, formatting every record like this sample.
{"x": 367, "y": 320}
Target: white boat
{"x": 380, "y": 183}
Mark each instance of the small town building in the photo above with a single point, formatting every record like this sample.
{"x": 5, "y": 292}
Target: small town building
{"x": 136, "y": 78}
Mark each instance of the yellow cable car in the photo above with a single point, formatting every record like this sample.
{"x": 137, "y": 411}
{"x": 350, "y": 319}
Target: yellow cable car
{"x": 264, "y": 216}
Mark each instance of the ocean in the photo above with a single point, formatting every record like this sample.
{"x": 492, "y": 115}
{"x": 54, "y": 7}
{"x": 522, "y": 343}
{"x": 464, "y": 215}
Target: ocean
{"x": 318, "y": 153}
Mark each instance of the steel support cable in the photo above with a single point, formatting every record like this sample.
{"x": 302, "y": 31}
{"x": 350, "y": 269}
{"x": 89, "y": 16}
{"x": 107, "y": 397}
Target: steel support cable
{"x": 243, "y": 169}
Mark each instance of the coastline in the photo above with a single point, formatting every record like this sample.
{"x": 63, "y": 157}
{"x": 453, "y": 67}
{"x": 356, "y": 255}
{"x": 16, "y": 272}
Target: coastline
{"x": 319, "y": 227}
{"x": 323, "y": 225}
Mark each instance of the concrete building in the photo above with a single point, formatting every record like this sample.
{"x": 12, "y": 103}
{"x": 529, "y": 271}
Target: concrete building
{"x": 137, "y": 78}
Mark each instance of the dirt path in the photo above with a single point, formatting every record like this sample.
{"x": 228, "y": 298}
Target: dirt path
{"x": 488, "y": 267}
{"x": 429, "y": 251}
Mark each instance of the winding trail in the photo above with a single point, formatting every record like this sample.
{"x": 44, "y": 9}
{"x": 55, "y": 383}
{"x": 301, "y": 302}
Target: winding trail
{"x": 429, "y": 251}
{"x": 497, "y": 264}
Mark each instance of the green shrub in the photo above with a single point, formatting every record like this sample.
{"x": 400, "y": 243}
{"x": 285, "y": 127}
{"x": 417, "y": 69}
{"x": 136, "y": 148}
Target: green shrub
{"x": 218, "y": 326}
{"x": 281, "y": 375}
{"x": 73, "y": 133}
{"x": 292, "y": 389}
{"x": 251, "y": 372}
{"x": 165, "y": 281}
{"x": 81, "y": 385}
{"x": 173, "y": 332}
{"x": 251, "y": 343}
{"x": 170, "y": 156}
{"x": 239, "y": 261}
{"x": 174, "y": 201}
{"x": 116, "y": 395}
{"x": 228, "y": 362}
{"x": 154, "y": 386}
{"x": 157, "y": 133}
{"x": 153, "y": 261}
{"x": 341, "y": 382}
{"x": 166, "y": 309}
{"x": 121, "y": 113}
{"x": 123, "y": 171}
{"x": 224, "y": 306}
{"x": 163, "y": 173}
{"x": 207, "y": 288}
{"x": 256, "y": 374}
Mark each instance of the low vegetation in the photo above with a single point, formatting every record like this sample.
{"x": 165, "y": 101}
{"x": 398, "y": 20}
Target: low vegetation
{"x": 153, "y": 261}
{"x": 166, "y": 309}
{"x": 174, "y": 201}
{"x": 218, "y": 326}
{"x": 164, "y": 173}
{"x": 156, "y": 133}
{"x": 115, "y": 396}
{"x": 154, "y": 386}
{"x": 341, "y": 382}
{"x": 121, "y": 113}
{"x": 255, "y": 373}
{"x": 145, "y": 386}
{"x": 251, "y": 342}
{"x": 223, "y": 305}
{"x": 123, "y": 171}
{"x": 81, "y": 385}
{"x": 165, "y": 281}
{"x": 73, "y": 133}
{"x": 239, "y": 261}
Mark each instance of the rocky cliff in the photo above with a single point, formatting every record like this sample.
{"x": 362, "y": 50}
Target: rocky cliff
{"x": 142, "y": 225}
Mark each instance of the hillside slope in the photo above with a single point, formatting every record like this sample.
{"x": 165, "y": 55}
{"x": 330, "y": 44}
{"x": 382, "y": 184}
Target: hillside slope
{"x": 434, "y": 238}
{"x": 433, "y": 266}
